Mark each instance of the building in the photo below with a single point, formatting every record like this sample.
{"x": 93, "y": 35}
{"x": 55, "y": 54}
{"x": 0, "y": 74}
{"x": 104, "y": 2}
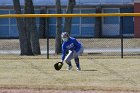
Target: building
{"x": 81, "y": 26}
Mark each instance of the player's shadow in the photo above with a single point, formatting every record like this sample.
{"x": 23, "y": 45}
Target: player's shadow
{"x": 81, "y": 70}
{"x": 89, "y": 70}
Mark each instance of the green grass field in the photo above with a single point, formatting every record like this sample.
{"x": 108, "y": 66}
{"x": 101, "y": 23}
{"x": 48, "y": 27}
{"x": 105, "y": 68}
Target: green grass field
{"x": 37, "y": 72}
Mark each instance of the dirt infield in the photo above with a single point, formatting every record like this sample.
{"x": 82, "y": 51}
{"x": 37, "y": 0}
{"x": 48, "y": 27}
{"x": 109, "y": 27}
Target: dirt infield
{"x": 57, "y": 91}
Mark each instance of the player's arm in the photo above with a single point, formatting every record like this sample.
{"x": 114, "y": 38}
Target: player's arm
{"x": 76, "y": 43}
{"x": 63, "y": 52}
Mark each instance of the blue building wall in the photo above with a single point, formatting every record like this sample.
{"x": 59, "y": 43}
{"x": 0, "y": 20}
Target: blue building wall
{"x": 81, "y": 26}
{"x": 64, "y": 2}
{"x": 128, "y": 22}
{"x": 111, "y": 25}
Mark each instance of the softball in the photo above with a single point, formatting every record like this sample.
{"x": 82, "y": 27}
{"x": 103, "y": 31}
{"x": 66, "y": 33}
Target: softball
{"x": 59, "y": 64}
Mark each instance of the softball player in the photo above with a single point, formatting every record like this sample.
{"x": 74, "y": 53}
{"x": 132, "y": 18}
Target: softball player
{"x": 74, "y": 49}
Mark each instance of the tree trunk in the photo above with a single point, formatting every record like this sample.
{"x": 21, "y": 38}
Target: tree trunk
{"x": 24, "y": 44}
{"x": 31, "y": 28}
{"x": 58, "y": 29}
{"x": 42, "y": 23}
{"x": 67, "y": 24}
{"x": 98, "y": 23}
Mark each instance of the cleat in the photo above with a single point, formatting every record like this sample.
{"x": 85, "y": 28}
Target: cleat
{"x": 78, "y": 69}
{"x": 69, "y": 67}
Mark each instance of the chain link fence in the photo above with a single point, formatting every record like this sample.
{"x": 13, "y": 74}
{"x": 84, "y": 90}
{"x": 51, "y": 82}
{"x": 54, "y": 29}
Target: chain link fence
{"x": 112, "y": 42}
{"x": 94, "y": 47}
{"x": 107, "y": 47}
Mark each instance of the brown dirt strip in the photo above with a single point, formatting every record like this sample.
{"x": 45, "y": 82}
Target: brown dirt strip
{"x": 57, "y": 91}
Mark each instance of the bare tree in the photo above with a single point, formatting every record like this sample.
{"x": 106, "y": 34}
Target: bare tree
{"x": 42, "y": 23}
{"x": 25, "y": 45}
{"x": 70, "y": 7}
{"x": 58, "y": 28}
{"x": 98, "y": 23}
{"x": 31, "y": 28}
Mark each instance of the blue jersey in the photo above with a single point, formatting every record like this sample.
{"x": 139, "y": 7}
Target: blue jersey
{"x": 71, "y": 44}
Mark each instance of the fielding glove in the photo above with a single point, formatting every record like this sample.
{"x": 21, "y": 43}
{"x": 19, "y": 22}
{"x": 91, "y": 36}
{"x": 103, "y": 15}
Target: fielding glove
{"x": 58, "y": 65}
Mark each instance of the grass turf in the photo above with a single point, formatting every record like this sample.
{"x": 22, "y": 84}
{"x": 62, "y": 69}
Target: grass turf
{"x": 97, "y": 74}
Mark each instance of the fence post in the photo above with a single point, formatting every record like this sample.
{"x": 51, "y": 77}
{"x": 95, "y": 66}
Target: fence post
{"x": 121, "y": 29}
{"x": 48, "y": 44}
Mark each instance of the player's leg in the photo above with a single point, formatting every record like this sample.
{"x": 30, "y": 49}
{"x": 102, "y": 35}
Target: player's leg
{"x": 80, "y": 52}
{"x": 77, "y": 63}
{"x": 76, "y": 58}
{"x": 68, "y": 59}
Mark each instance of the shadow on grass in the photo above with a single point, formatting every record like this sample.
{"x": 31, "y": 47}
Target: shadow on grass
{"x": 89, "y": 70}
{"x": 80, "y": 71}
